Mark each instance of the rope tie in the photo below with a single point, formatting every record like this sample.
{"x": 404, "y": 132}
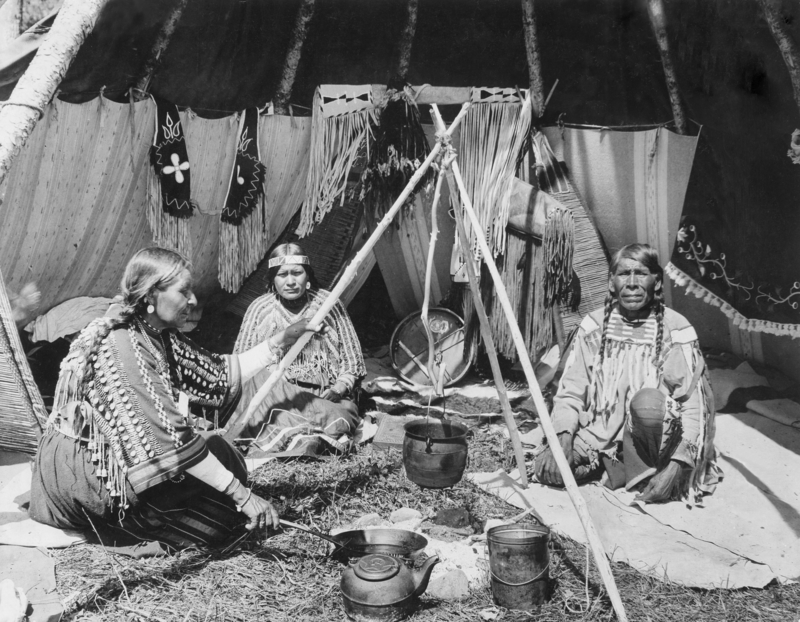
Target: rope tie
{"x": 31, "y": 106}
{"x": 536, "y": 578}
{"x": 445, "y": 139}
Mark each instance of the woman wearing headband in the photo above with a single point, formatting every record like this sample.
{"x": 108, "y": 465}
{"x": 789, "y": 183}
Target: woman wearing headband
{"x": 313, "y": 407}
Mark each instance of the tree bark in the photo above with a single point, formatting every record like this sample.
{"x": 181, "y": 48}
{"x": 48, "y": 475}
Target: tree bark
{"x": 398, "y": 78}
{"x": 658, "y": 21}
{"x": 304, "y": 16}
{"x": 788, "y": 46}
{"x": 534, "y": 59}
{"x": 10, "y": 17}
{"x": 142, "y": 84}
{"x": 37, "y": 85}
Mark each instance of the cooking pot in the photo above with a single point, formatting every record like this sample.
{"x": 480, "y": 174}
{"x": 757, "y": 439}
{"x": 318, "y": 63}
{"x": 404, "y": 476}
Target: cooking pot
{"x": 381, "y": 588}
{"x": 360, "y": 542}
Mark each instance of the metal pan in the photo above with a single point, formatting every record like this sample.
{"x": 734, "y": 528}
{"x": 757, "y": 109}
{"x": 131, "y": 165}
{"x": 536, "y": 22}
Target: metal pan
{"x": 360, "y": 542}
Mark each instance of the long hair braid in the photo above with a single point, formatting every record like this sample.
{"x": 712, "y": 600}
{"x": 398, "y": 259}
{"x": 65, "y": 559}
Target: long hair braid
{"x": 608, "y": 307}
{"x": 658, "y": 307}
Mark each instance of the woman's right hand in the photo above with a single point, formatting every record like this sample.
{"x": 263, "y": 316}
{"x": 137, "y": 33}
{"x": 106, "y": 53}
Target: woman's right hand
{"x": 262, "y": 513}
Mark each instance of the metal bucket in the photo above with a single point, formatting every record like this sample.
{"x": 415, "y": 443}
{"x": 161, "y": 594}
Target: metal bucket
{"x": 519, "y": 562}
{"x": 435, "y": 452}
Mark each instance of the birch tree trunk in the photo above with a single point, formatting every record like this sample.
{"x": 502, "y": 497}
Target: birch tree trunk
{"x": 788, "y": 46}
{"x": 37, "y": 85}
{"x": 534, "y": 59}
{"x": 398, "y": 78}
{"x": 142, "y": 84}
{"x": 304, "y": 16}
{"x": 658, "y": 21}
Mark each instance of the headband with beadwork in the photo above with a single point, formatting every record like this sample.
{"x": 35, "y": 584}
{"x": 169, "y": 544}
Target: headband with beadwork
{"x": 282, "y": 261}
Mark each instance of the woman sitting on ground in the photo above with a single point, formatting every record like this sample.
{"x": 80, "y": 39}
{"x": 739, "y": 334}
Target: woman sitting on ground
{"x": 121, "y": 454}
{"x": 634, "y": 400}
{"x": 313, "y": 407}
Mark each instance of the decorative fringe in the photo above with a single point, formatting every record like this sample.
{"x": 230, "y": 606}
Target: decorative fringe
{"x": 335, "y": 143}
{"x": 72, "y": 390}
{"x": 739, "y": 320}
{"x": 558, "y": 246}
{"x": 623, "y": 360}
{"x": 168, "y": 231}
{"x": 539, "y": 323}
{"x": 399, "y": 148}
{"x": 523, "y": 270}
{"x": 241, "y": 249}
{"x": 492, "y": 136}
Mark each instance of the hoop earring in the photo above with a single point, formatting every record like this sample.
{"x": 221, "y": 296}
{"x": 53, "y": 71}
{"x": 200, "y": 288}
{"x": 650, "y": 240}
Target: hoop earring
{"x": 308, "y": 285}
{"x": 150, "y": 309}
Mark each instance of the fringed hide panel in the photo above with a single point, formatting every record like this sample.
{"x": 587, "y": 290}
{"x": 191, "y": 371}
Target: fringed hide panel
{"x": 589, "y": 260}
{"x": 284, "y": 146}
{"x": 74, "y": 212}
{"x": 22, "y": 411}
{"x": 492, "y": 135}
{"x": 342, "y": 116}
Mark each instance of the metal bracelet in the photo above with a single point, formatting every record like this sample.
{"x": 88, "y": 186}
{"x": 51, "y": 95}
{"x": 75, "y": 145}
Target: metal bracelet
{"x": 239, "y": 506}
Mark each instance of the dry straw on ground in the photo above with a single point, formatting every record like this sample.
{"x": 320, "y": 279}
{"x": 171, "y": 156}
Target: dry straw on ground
{"x": 290, "y": 576}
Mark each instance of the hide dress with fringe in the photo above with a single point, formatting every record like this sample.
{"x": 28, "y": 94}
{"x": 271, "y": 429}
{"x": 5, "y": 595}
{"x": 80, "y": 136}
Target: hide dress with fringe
{"x": 117, "y": 446}
{"x": 593, "y": 400}
{"x": 294, "y": 419}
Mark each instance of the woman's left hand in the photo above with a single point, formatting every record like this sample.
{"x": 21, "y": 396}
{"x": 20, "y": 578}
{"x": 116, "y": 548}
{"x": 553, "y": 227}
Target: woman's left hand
{"x": 335, "y": 393}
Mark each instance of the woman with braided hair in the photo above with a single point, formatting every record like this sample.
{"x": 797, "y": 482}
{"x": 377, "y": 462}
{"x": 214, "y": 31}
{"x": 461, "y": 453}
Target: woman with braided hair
{"x": 634, "y": 399}
{"x": 122, "y": 454}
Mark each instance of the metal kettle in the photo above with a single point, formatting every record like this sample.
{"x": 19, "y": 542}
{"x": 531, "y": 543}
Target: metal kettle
{"x": 381, "y": 588}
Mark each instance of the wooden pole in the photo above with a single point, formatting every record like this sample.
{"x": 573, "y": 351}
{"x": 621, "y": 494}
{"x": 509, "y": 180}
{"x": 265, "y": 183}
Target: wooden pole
{"x": 234, "y": 429}
{"x": 483, "y": 319}
{"x": 38, "y": 84}
{"x": 658, "y": 21}
{"x": 304, "y": 16}
{"x": 552, "y": 438}
{"x": 438, "y": 387}
{"x": 534, "y": 59}
{"x": 788, "y": 46}
{"x": 398, "y": 78}
{"x": 141, "y": 87}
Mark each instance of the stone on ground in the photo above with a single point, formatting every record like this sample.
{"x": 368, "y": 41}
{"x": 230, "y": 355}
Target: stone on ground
{"x": 452, "y": 517}
{"x": 404, "y": 514}
{"x": 454, "y": 585}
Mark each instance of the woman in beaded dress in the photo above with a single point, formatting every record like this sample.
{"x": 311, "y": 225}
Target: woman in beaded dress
{"x": 313, "y": 407}
{"x": 122, "y": 455}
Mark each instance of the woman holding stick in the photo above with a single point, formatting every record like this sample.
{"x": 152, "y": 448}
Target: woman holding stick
{"x": 121, "y": 454}
{"x": 313, "y": 406}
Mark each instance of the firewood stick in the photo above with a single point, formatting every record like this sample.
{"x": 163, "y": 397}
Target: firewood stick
{"x": 483, "y": 320}
{"x": 234, "y": 429}
{"x": 563, "y": 466}
{"x": 437, "y": 386}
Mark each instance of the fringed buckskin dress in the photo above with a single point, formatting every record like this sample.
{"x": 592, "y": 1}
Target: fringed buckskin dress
{"x": 593, "y": 402}
{"x": 120, "y": 438}
{"x": 294, "y": 419}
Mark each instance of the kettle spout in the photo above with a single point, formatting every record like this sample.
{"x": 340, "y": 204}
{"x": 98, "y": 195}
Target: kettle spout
{"x": 423, "y": 575}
